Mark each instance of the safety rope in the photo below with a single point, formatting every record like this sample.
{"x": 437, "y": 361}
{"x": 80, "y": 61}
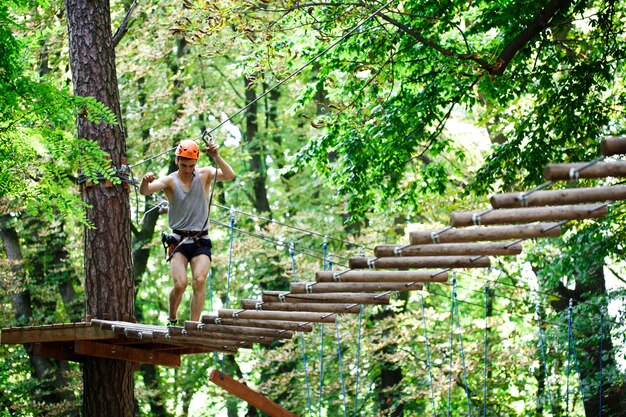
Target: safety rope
{"x": 458, "y": 321}
{"x": 571, "y": 353}
{"x": 230, "y": 263}
{"x": 358, "y": 361}
{"x": 343, "y": 383}
{"x": 289, "y": 77}
{"x": 485, "y": 351}
{"x": 430, "y": 373}
{"x": 306, "y": 372}
{"x": 453, "y": 295}
{"x": 319, "y": 404}
{"x": 543, "y": 354}
{"x": 601, "y": 350}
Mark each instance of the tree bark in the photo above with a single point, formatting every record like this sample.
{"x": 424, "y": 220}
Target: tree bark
{"x": 259, "y": 180}
{"x": 109, "y": 286}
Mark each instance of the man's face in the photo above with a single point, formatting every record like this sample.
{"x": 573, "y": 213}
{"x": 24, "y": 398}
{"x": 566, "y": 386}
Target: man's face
{"x": 186, "y": 166}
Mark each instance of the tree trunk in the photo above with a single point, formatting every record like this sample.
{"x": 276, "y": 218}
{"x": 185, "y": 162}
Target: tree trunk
{"x": 109, "y": 287}
{"x": 259, "y": 180}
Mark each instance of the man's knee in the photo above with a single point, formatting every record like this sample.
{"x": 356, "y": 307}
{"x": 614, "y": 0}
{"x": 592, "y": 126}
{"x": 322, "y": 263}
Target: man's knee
{"x": 199, "y": 282}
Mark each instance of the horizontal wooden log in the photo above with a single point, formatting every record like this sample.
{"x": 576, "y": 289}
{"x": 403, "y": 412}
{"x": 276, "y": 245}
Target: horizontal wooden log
{"x": 277, "y": 315}
{"x": 202, "y": 340}
{"x": 293, "y": 326}
{"x": 246, "y": 394}
{"x": 554, "y": 172}
{"x": 450, "y": 249}
{"x": 286, "y": 297}
{"x": 381, "y": 276}
{"x": 224, "y": 329}
{"x": 407, "y": 262}
{"x": 125, "y": 353}
{"x": 613, "y": 146}
{"x": 495, "y": 233}
{"x": 559, "y": 197}
{"x": 190, "y": 332}
{"x": 528, "y": 215}
{"x": 353, "y": 287}
{"x": 311, "y": 307}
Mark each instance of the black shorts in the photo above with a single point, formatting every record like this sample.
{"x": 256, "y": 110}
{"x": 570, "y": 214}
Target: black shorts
{"x": 192, "y": 248}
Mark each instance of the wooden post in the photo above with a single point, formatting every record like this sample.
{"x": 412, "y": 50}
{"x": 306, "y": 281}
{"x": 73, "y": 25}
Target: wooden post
{"x": 450, "y": 249}
{"x": 528, "y": 215}
{"x": 525, "y": 231}
{"x": 553, "y": 197}
{"x": 613, "y": 146}
{"x": 424, "y": 275}
{"x": 555, "y": 172}
{"x": 353, "y": 287}
{"x": 286, "y": 297}
{"x": 406, "y": 262}
{"x": 311, "y": 307}
{"x": 246, "y": 394}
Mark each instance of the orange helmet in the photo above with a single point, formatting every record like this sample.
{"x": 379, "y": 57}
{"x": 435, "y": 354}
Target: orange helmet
{"x": 188, "y": 149}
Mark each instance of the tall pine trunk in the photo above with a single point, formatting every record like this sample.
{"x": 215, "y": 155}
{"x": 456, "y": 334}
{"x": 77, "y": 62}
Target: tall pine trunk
{"x": 108, "y": 384}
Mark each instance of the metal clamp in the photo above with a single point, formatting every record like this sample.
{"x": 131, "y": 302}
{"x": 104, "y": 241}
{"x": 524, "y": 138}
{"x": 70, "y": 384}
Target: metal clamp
{"x": 370, "y": 263}
{"x": 281, "y": 298}
{"x": 258, "y": 306}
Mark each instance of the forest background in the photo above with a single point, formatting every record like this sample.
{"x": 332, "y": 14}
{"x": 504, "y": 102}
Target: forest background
{"x": 349, "y": 124}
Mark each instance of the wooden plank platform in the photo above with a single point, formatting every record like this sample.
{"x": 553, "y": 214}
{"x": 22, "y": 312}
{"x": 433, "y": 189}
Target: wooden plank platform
{"x": 131, "y": 342}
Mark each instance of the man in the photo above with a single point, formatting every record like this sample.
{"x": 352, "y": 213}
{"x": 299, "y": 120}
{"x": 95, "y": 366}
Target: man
{"x": 186, "y": 190}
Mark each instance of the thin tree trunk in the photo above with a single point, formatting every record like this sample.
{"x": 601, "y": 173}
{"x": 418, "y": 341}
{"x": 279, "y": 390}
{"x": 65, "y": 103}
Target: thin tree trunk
{"x": 109, "y": 286}
{"x": 259, "y": 181}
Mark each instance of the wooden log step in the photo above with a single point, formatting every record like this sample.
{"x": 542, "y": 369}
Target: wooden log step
{"x": 495, "y": 233}
{"x": 224, "y": 329}
{"x": 554, "y": 172}
{"x": 204, "y": 341}
{"x": 613, "y": 146}
{"x": 277, "y": 315}
{"x": 353, "y": 287}
{"x": 450, "y": 249}
{"x": 528, "y": 215}
{"x": 554, "y": 197}
{"x": 339, "y": 298}
{"x": 381, "y": 276}
{"x": 407, "y": 262}
{"x": 292, "y": 326}
{"x": 232, "y": 337}
{"x": 310, "y": 307}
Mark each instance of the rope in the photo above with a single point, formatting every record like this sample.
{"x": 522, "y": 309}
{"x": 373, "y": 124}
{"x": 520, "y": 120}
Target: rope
{"x": 458, "y": 321}
{"x": 230, "y": 262}
{"x": 319, "y": 404}
{"x": 306, "y": 372}
{"x": 571, "y": 352}
{"x": 289, "y": 77}
{"x": 453, "y": 295}
{"x": 543, "y": 354}
{"x": 343, "y": 383}
{"x": 601, "y": 346}
{"x": 358, "y": 360}
{"x": 430, "y": 374}
{"x": 485, "y": 350}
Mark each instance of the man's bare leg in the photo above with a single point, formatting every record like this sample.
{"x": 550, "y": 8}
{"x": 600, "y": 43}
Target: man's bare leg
{"x": 199, "y": 270}
{"x": 178, "y": 272}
